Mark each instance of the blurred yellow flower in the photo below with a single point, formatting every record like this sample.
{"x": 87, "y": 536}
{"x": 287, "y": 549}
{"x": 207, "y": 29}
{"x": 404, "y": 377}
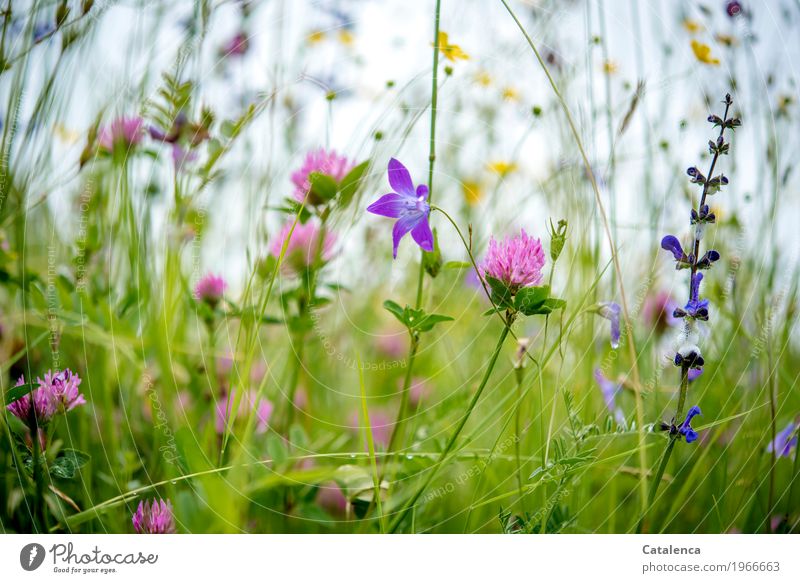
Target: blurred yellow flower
{"x": 65, "y": 134}
{"x": 315, "y": 36}
{"x": 703, "y": 53}
{"x": 473, "y": 191}
{"x": 346, "y": 37}
{"x": 609, "y": 67}
{"x": 510, "y": 93}
{"x": 502, "y": 168}
{"x": 727, "y": 40}
{"x": 450, "y": 52}
{"x": 692, "y": 26}
{"x": 483, "y": 78}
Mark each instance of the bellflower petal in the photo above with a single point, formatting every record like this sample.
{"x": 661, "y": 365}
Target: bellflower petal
{"x": 401, "y": 227}
{"x": 610, "y": 311}
{"x": 389, "y": 205}
{"x": 422, "y": 235}
{"x": 400, "y": 179}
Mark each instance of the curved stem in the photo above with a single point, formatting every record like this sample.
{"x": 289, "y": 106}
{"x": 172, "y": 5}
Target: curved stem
{"x": 398, "y": 520}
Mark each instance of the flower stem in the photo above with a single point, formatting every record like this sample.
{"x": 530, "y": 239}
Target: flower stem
{"x": 668, "y": 451}
{"x": 453, "y": 438}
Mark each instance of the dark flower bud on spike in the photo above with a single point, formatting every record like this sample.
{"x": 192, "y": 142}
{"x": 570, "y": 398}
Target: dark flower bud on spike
{"x": 678, "y": 313}
{"x": 728, "y": 100}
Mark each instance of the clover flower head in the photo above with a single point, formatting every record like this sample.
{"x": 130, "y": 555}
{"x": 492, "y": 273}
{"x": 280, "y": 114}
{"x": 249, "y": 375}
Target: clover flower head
{"x": 124, "y": 132}
{"x": 611, "y": 311}
{"x": 154, "y": 517}
{"x": 37, "y": 403}
{"x": 236, "y": 46}
{"x": 321, "y": 161}
{"x": 62, "y": 387}
{"x": 406, "y": 204}
{"x": 210, "y": 289}
{"x": 303, "y": 246}
{"x": 516, "y": 261}
{"x": 784, "y": 441}
{"x": 685, "y": 428}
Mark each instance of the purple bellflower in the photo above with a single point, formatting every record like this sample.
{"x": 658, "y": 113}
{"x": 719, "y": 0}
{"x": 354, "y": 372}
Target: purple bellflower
{"x": 406, "y": 204}
{"x": 610, "y": 311}
{"x": 783, "y": 443}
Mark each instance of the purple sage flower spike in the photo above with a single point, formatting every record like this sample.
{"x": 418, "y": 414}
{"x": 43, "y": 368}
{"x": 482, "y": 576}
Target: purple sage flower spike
{"x": 685, "y": 428}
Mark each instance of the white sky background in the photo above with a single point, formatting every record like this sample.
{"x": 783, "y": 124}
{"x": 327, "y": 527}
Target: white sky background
{"x": 136, "y": 42}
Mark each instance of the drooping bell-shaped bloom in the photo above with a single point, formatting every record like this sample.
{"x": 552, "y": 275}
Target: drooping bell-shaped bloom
{"x": 610, "y": 389}
{"x": 516, "y": 261}
{"x": 154, "y": 517}
{"x": 406, "y": 204}
{"x": 610, "y": 311}
{"x": 685, "y": 428}
{"x": 303, "y": 247}
{"x": 210, "y": 289}
{"x": 124, "y": 132}
{"x": 321, "y": 161}
{"x": 784, "y": 441}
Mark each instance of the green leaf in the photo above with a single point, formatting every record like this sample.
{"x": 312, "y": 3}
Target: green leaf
{"x": 16, "y": 393}
{"x": 458, "y": 265}
{"x": 501, "y": 294}
{"x": 529, "y": 299}
{"x": 322, "y": 186}
{"x": 428, "y": 321}
{"x": 350, "y": 183}
{"x": 398, "y": 312}
{"x": 432, "y": 260}
{"x": 68, "y": 462}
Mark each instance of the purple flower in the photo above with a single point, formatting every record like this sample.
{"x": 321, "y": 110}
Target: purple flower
{"x": 226, "y": 416}
{"x": 610, "y": 311}
{"x": 685, "y": 428}
{"x": 154, "y": 517}
{"x": 236, "y": 46}
{"x": 670, "y": 243}
{"x": 516, "y": 261}
{"x": 57, "y": 393}
{"x": 321, "y": 161}
{"x": 210, "y": 289}
{"x": 407, "y": 205}
{"x": 610, "y": 389}
{"x": 694, "y": 373}
{"x": 303, "y": 246}
{"x": 124, "y": 132}
{"x": 784, "y": 442}
{"x": 695, "y": 307}
{"x": 733, "y": 8}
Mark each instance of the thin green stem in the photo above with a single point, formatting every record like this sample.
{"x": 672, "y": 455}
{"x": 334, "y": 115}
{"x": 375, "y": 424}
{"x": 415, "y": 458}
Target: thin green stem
{"x": 403, "y": 513}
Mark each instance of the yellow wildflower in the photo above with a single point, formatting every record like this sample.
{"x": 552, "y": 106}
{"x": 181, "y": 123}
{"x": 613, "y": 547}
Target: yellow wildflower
{"x": 502, "y": 168}
{"x": 510, "y": 94}
{"x": 315, "y": 36}
{"x": 609, "y": 67}
{"x": 450, "y": 52}
{"x": 483, "y": 78}
{"x": 727, "y": 40}
{"x": 692, "y": 26}
{"x": 473, "y": 192}
{"x": 703, "y": 53}
{"x": 346, "y": 37}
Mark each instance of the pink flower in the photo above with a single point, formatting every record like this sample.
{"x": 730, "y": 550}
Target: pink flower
{"x": 516, "y": 261}
{"x": 332, "y": 499}
{"x": 236, "y": 46}
{"x": 381, "y": 424}
{"x": 323, "y": 161}
{"x": 210, "y": 289}
{"x": 154, "y": 517}
{"x": 303, "y": 246}
{"x": 418, "y": 391}
{"x": 657, "y": 311}
{"x": 263, "y": 409}
{"x": 124, "y": 132}
{"x": 56, "y": 393}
